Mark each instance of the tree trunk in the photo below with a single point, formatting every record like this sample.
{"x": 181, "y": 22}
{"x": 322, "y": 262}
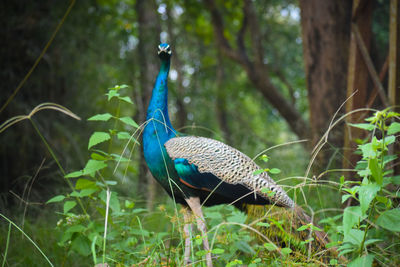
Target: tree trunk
{"x": 326, "y": 36}
{"x": 357, "y": 80}
{"x": 149, "y": 32}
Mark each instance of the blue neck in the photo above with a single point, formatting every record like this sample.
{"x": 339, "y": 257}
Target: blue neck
{"x": 158, "y": 107}
{"x": 158, "y": 129}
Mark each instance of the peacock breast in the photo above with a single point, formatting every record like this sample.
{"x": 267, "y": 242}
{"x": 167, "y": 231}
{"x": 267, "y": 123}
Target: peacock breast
{"x": 155, "y": 154}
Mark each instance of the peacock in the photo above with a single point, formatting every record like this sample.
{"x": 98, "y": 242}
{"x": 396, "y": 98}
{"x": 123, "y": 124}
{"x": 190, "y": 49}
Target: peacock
{"x": 198, "y": 171}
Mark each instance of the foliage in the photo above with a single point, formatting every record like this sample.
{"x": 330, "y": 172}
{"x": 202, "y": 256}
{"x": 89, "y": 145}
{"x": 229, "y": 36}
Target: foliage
{"x": 97, "y": 222}
{"x": 82, "y": 60}
{"x": 84, "y": 232}
{"x": 369, "y": 229}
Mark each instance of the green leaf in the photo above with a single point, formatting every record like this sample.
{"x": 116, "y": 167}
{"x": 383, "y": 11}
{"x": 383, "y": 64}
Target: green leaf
{"x": 87, "y": 192}
{"x": 332, "y": 244}
{"x": 367, "y": 151}
{"x": 315, "y": 228}
{"x": 303, "y": 227}
{"x": 371, "y": 241}
{"x": 389, "y": 158}
{"x": 75, "y": 194}
{"x": 376, "y": 170}
{"x": 396, "y": 180}
{"x": 201, "y": 253}
{"x": 354, "y": 236}
{"x": 126, "y": 99}
{"x": 237, "y": 217}
{"x": 217, "y": 251}
{"x": 119, "y": 158}
{"x": 244, "y": 246}
{"x": 214, "y": 215}
{"x": 100, "y": 117}
{"x": 393, "y": 128}
{"x": 81, "y": 245}
{"x": 68, "y": 205}
{"x": 274, "y": 171}
{"x": 56, "y": 199}
{"x": 351, "y": 216}
{"x": 123, "y": 135}
{"x": 76, "y": 229}
{"x": 364, "y": 261}
{"x": 382, "y": 199}
{"x": 307, "y": 241}
{"x": 97, "y": 138}
{"x": 93, "y": 166}
{"x": 97, "y": 156}
{"x": 364, "y": 126}
{"x": 84, "y": 183}
{"x": 345, "y": 197}
{"x": 198, "y": 240}
{"x": 390, "y": 220}
{"x": 74, "y": 174}
{"x": 110, "y": 182}
{"x": 270, "y": 246}
{"x": 286, "y": 251}
{"x": 129, "y": 121}
{"x": 268, "y": 192}
{"x": 366, "y": 194}
{"x": 129, "y": 204}
{"x": 123, "y": 86}
{"x": 111, "y": 94}
{"x": 392, "y": 114}
{"x": 257, "y": 172}
{"x": 333, "y": 262}
{"x": 265, "y": 190}
{"x": 390, "y": 139}
{"x": 264, "y": 224}
{"x": 118, "y": 87}
{"x": 234, "y": 263}
{"x": 265, "y": 158}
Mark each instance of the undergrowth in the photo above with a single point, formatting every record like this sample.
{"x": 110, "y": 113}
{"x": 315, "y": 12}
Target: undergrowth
{"x": 368, "y": 229}
{"x": 97, "y": 225}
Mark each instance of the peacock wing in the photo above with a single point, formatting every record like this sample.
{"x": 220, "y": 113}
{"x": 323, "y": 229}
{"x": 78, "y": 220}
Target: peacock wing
{"x": 199, "y": 155}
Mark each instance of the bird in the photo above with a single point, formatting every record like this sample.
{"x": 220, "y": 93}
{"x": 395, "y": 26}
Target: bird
{"x": 198, "y": 171}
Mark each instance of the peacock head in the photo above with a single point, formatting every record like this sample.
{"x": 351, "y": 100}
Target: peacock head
{"x": 164, "y": 51}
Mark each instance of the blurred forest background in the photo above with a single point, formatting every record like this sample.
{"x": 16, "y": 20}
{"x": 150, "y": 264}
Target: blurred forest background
{"x": 254, "y": 74}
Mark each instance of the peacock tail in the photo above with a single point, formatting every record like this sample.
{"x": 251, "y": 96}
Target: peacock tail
{"x": 280, "y": 225}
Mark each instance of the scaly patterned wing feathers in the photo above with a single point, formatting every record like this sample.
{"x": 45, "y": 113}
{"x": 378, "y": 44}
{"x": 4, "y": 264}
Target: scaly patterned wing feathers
{"x": 227, "y": 164}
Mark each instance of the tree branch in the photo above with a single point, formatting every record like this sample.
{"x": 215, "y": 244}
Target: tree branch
{"x": 219, "y": 32}
{"x": 255, "y": 33}
{"x": 256, "y": 71}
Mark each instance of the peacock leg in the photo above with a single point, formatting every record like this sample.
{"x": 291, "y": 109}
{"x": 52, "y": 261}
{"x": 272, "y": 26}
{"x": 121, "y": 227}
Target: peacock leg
{"x": 194, "y": 204}
{"x": 186, "y": 230}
